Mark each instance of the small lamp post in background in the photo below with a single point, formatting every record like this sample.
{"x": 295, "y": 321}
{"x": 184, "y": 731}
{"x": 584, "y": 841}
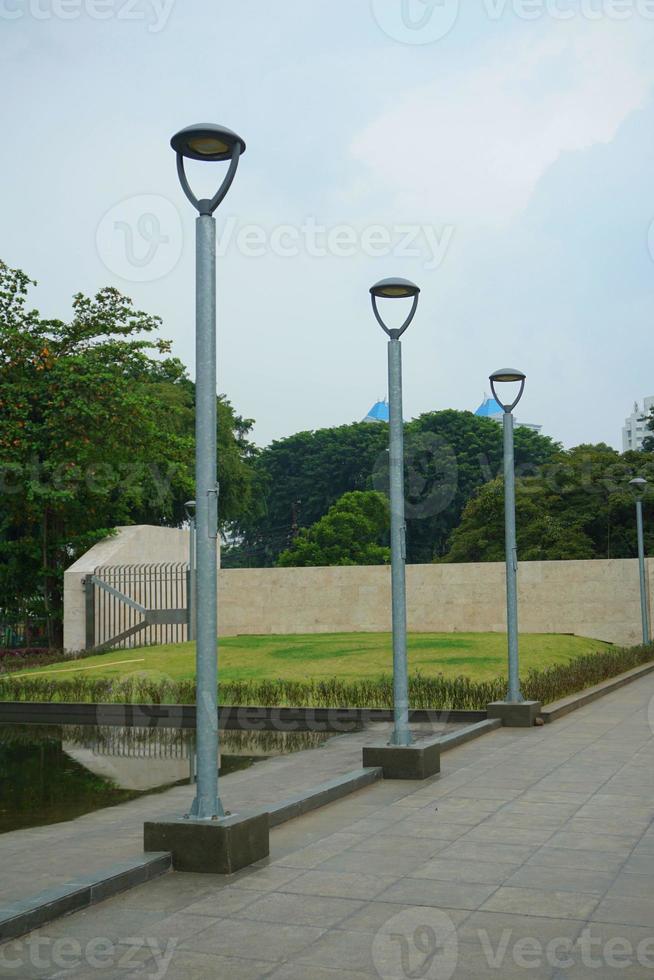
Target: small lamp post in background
{"x": 207, "y": 142}
{"x": 397, "y": 289}
{"x": 640, "y": 485}
{"x": 509, "y": 375}
{"x": 189, "y": 507}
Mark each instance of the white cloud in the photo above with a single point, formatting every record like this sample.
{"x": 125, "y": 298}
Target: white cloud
{"x": 473, "y": 145}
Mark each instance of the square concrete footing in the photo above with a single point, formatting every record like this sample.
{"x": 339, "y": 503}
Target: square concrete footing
{"x": 211, "y": 846}
{"x": 515, "y": 714}
{"x": 417, "y": 761}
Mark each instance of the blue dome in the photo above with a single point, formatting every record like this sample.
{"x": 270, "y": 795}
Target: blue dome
{"x": 378, "y": 413}
{"x": 489, "y": 408}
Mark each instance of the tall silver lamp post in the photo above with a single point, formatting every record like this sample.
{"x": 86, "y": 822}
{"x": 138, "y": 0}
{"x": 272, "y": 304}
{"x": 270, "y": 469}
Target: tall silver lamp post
{"x": 498, "y": 377}
{"x": 640, "y": 485}
{"x": 397, "y": 289}
{"x": 206, "y": 142}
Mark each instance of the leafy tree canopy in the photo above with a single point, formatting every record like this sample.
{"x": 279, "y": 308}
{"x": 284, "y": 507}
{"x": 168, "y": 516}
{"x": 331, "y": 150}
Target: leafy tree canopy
{"x": 448, "y": 455}
{"x": 352, "y": 532}
{"x": 578, "y": 506}
{"x": 96, "y": 430}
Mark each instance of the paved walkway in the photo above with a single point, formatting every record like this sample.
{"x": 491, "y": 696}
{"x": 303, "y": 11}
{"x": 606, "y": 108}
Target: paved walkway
{"x": 531, "y": 855}
{"x": 40, "y": 858}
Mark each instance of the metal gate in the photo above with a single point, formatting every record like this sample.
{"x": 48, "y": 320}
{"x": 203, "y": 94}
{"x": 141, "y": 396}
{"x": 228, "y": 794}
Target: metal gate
{"x": 137, "y": 605}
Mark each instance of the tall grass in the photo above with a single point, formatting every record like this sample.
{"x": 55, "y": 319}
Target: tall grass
{"x": 458, "y": 693}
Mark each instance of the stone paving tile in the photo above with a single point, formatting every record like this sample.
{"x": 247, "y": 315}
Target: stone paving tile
{"x": 497, "y": 833}
{"x": 472, "y": 872}
{"x": 377, "y": 914}
{"x": 423, "y": 847}
{"x": 340, "y": 884}
{"x": 469, "y": 850}
{"x": 606, "y": 843}
{"x": 537, "y": 902}
{"x": 298, "y": 971}
{"x": 253, "y": 940}
{"x": 187, "y": 965}
{"x": 560, "y": 857}
{"x": 561, "y": 879}
{"x": 373, "y": 862}
{"x": 303, "y": 910}
{"x": 498, "y": 927}
{"x": 439, "y": 894}
{"x": 631, "y": 911}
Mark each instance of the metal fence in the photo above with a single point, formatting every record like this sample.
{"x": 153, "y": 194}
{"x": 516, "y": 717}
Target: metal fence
{"x": 18, "y": 632}
{"x": 137, "y": 605}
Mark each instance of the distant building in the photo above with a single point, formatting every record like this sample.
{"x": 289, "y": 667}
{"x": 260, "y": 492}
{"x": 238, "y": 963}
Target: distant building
{"x": 490, "y": 409}
{"x": 635, "y": 427}
{"x": 378, "y": 413}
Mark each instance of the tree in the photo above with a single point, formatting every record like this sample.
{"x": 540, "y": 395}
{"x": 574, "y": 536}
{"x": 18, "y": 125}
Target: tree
{"x": 96, "y": 430}
{"x": 648, "y": 441}
{"x": 578, "y": 506}
{"x": 448, "y": 455}
{"x": 352, "y": 532}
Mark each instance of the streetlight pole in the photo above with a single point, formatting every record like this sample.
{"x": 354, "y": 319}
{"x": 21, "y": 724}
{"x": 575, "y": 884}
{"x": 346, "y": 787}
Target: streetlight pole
{"x": 397, "y": 289}
{"x": 511, "y": 548}
{"x": 206, "y": 142}
{"x": 640, "y": 484}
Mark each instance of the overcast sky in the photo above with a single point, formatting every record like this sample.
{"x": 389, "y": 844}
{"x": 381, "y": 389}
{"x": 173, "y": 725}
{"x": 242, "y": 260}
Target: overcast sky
{"x": 500, "y": 155}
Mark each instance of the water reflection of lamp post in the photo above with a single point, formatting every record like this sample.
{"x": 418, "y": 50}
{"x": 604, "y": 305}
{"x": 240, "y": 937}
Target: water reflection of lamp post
{"x": 640, "y": 485}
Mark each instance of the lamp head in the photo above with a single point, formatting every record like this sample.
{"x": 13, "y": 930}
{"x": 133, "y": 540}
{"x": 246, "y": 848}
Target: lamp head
{"x": 395, "y": 289}
{"x": 639, "y": 484}
{"x": 206, "y": 141}
{"x": 510, "y": 376}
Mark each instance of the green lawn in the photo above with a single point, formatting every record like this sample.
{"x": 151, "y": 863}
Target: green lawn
{"x": 348, "y": 656}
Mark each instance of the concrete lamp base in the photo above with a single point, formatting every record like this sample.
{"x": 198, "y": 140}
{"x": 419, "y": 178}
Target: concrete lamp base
{"x": 515, "y": 714}
{"x": 417, "y": 761}
{"x": 218, "y": 847}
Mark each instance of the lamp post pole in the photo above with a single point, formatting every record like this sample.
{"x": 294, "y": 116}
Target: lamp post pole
{"x": 639, "y": 483}
{"x": 397, "y": 288}
{"x": 206, "y": 142}
{"x": 514, "y": 694}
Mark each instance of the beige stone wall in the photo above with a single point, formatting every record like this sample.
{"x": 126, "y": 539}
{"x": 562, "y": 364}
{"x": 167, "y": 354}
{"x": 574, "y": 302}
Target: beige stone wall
{"x": 599, "y": 599}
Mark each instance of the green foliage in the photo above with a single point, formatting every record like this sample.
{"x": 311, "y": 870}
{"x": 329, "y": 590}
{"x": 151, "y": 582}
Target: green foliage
{"x": 648, "y": 441}
{"x": 96, "y": 430}
{"x": 578, "y": 506}
{"x": 448, "y": 455}
{"x": 437, "y": 693}
{"x": 350, "y": 533}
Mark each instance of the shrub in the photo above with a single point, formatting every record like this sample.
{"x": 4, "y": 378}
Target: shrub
{"x": 457, "y": 693}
